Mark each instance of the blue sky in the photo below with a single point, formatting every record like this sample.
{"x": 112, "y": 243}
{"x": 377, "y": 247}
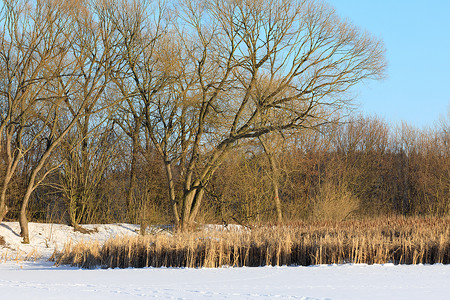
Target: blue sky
{"x": 416, "y": 35}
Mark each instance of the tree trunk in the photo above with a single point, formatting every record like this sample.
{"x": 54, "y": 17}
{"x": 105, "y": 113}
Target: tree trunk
{"x": 277, "y": 200}
{"x": 3, "y": 207}
{"x": 132, "y": 183}
{"x": 131, "y": 189}
{"x": 23, "y": 212}
{"x": 188, "y": 199}
{"x": 405, "y": 198}
{"x": 172, "y": 197}
{"x": 193, "y": 193}
{"x": 30, "y": 188}
{"x": 191, "y": 203}
{"x": 143, "y": 216}
{"x": 11, "y": 167}
{"x": 275, "y": 184}
{"x": 3, "y": 211}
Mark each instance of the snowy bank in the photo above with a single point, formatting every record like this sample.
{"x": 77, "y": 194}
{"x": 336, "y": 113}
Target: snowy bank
{"x": 46, "y": 238}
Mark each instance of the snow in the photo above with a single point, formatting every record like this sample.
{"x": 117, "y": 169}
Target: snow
{"x": 39, "y": 279}
{"x": 42, "y": 281}
{"x": 45, "y": 238}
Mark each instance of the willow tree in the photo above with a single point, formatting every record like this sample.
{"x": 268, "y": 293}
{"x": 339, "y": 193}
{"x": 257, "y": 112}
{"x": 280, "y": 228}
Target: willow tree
{"x": 262, "y": 67}
{"x": 51, "y": 82}
{"x": 155, "y": 78}
{"x": 33, "y": 53}
{"x": 89, "y": 101}
{"x": 221, "y": 71}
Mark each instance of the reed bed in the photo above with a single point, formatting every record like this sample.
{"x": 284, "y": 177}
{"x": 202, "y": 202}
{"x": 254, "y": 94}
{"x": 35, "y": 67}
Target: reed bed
{"x": 393, "y": 240}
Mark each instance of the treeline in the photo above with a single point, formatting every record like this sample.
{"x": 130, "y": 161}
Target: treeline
{"x": 361, "y": 168}
{"x": 364, "y": 167}
{"x": 198, "y": 110}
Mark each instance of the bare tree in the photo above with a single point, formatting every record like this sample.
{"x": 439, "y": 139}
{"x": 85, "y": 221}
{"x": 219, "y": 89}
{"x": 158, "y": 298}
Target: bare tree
{"x": 225, "y": 71}
{"x": 263, "y": 67}
{"x": 44, "y": 68}
{"x": 89, "y": 146}
{"x": 154, "y": 81}
{"x": 33, "y": 52}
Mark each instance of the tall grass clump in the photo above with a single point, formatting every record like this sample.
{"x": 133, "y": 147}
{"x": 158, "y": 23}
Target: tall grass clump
{"x": 377, "y": 241}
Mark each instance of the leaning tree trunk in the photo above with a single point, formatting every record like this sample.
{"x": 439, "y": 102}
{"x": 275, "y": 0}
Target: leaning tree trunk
{"x": 23, "y": 221}
{"x": 3, "y": 207}
{"x": 11, "y": 166}
{"x": 32, "y": 185}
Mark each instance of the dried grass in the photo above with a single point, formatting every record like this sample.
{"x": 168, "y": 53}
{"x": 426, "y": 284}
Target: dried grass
{"x": 388, "y": 240}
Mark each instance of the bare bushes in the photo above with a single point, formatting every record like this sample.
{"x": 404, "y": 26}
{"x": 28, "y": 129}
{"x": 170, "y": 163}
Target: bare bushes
{"x": 401, "y": 241}
{"x": 334, "y": 202}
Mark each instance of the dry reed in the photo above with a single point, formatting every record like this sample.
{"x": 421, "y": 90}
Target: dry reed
{"x": 394, "y": 240}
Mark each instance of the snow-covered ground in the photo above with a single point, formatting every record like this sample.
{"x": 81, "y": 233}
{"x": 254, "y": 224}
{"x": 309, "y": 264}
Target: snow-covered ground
{"x": 45, "y": 238}
{"x": 41, "y": 280}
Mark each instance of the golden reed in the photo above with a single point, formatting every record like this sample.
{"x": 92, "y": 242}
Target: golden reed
{"x": 375, "y": 241}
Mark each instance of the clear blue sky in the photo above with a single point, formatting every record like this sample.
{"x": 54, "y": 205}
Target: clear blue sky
{"x": 416, "y": 34}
